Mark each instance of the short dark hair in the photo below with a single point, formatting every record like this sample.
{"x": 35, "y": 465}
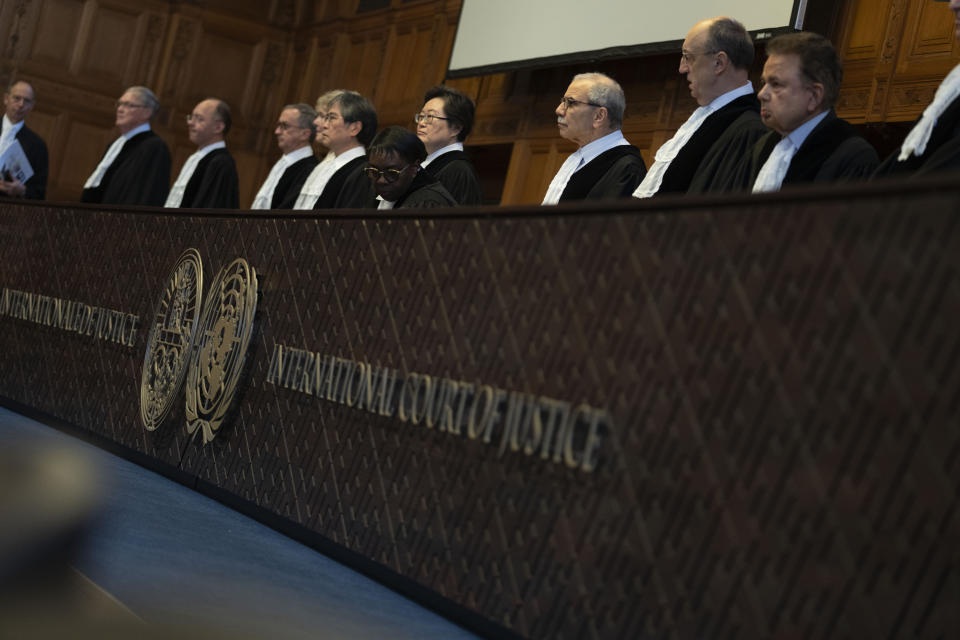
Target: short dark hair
{"x": 355, "y": 108}
{"x": 305, "y": 117}
{"x": 731, "y": 37}
{"x": 399, "y": 141}
{"x": 458, "y": 106}
{"x": 819, "y": 61}
{"x": 223, "y": 114}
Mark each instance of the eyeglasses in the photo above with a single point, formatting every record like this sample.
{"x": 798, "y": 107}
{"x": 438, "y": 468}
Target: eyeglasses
{"x": 329, "y": 117}
{"x": 284, "y": 126}
{"x": 687, "y": 57}
{"x": 566, "y": 103}
{"x": 389, "y": 175}
{"x": 427, "y": 118}
{"x": 130, "y": 105}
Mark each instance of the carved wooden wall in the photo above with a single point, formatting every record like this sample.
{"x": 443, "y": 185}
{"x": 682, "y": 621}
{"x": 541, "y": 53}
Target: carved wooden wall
{"x": 81, "y": 54}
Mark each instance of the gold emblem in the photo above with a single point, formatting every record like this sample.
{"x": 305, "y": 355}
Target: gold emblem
{"x": 221, "y": 346}
{"x": 172, "y": 329}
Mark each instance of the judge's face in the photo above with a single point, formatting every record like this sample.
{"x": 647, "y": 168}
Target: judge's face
{"x": 699, "y": 65}
{"x": 318, "y": 122}
{"x": 203, "y": 124}
{"x": 787, "y": 98}
{"x": 396, "y": 175}
{"x": 577, "y": 120}
{"x": 131, "y": 112}
{"x": 337, "y": 134}
{"x": 435, "y": 132}
{"x": 290, "y": 135}
{"x": 18, "y": 102}
{"x": 955, "y": 7}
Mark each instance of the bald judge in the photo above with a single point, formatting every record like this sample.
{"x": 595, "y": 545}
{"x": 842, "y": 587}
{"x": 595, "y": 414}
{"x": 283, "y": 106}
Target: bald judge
{"x": 703, "y": 155}
{"x": 605, "y": 165}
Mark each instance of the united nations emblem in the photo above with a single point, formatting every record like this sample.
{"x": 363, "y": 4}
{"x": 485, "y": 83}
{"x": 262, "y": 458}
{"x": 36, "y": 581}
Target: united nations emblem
{"x": 171, "y": 337}
{"x": 222, "y": 340}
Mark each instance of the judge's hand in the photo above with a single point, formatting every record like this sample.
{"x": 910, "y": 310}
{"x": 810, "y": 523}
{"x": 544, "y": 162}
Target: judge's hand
{"x": 13, "y": 188}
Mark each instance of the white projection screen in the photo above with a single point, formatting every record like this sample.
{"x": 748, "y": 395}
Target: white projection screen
{"x": 498, "y": 35}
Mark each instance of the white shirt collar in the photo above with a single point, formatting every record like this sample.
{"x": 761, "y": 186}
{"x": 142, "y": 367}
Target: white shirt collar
{"x": 213, "y": 146}
{"x": 723, "y": 100}
{"x": 348, "y": 155}
{"x": 456, "y": 146}
{"x": 144, "y": 127}
{"x": 591, "y": 150}
{"x": 298, "y": 154}
{"x": 799, "y": 135}
{"x": 10, "y": 126}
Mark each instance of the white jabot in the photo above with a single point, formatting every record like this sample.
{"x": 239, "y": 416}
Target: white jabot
{"x": 97, "y": 176}
{"x": 577, "y": 160}
{"x": 385, "y": 204}
{"x": 321, "y": 174}
{"x": 774, "y": 170}
{"x": 10, "y": 132}
{"x": 265, "y": 196}
{"x": 175, "y": 198}
{"x": 669, "y": 150}
{"x": 456, "y": 146}
{"x": 916, "y": 141}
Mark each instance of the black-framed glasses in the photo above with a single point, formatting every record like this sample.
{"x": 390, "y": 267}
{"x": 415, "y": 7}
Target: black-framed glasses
{"x": 427, "y": 118}
{"x": 567, "y": 102}
{"x": 687, "y": 57}
{"x": 389, "y": 175}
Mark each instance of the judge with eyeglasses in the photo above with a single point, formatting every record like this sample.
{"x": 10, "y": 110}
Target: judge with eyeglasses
{"x": 605, "y": 165}
{"x": 444, "y": 122}
{"x": 394, "y": 170}
{"x": 135, "y": 169}
{"x": 208, "y": 178}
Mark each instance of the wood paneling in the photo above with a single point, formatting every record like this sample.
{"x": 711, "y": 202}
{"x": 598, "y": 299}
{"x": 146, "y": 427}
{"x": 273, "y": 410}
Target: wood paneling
{"x": 80, "y": 54}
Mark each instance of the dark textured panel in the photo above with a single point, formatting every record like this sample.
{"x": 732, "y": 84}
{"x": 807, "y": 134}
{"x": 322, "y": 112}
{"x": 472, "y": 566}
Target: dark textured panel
{"x": 781, "y": 376}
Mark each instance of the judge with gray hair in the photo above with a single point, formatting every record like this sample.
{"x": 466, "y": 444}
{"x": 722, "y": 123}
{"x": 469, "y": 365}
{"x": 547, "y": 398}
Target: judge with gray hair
{"x": 295, "y": 131}
{"x": 605, "y": 165}
{"x": 135, "y": 170}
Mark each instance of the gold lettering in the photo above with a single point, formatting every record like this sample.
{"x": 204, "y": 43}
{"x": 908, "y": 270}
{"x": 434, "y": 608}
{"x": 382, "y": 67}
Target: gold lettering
{"x": 598, "y": 428}
{"x": 534, "y": 430}
{"x": 492, "y": 414}
{"x": 276, "y": 364}
{"x": 116, "y": 334}
{"x": 407, "y": 391}
{"x": 355, "y": 389}
{"x": 319, "y": 371}
{"x": 429, "y": 395}
{"x": 346, "y": 379}
{"x": 387, "y": 383}
{"x": 307, "y": 368}
{"x": 510, "y": 422}
{"x": 570, "y": 456}
{"x": 448, "y": 420}
{"x": 4, "y": 302}
{"x": 134, "y": 321}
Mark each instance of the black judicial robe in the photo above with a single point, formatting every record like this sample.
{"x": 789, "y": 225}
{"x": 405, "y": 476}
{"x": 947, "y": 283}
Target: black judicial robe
{"x": 139, "y": 176}
{"x": 943, "y": 149}
{"x": 214, "y": 183}
{"x": 833, "y": 152}
{"x": 425, "y": 192}
{"x": 291, "y": 182}
{"x": 36, "y": 151}
{"x": 458, "y": 176}
{"x": 615, "y": 173}
{"x": 348, "y": 188}
{"x": 708, "y": 162}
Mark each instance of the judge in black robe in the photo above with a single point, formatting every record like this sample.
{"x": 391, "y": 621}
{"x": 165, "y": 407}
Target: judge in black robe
{"x": 604, "y": 166}
{"x": 140, "y": 175}
{"x": 833, "y": 152}
{"x": 288, "y": 187}
{"x": 443, "y": 124}
{"x": 942, "y": 152}
{"x": 458, "y": 176}
{"x": 615, "y": 173}
{"x": 801, "y": 82}
{"x": 348, "y": 187}
{"x": 18, "y": 102}
{"x": 394, "y": 170}
{"x": 214, "y": 183}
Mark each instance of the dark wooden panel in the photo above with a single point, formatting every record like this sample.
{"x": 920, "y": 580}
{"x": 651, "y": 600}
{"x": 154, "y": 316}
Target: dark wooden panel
{"x": 779, "y": 376}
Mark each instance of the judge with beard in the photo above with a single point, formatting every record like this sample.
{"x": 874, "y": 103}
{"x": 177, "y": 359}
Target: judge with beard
{"x": 933, "y": 145}
{"x": 807, "y": 143}
{"x": 135, "y": 170}
{"x": 605, "y": 165}
{"x": 443, "y": 123}
{"x": 703, "y": 155}
{"x": 208, "y": 179}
